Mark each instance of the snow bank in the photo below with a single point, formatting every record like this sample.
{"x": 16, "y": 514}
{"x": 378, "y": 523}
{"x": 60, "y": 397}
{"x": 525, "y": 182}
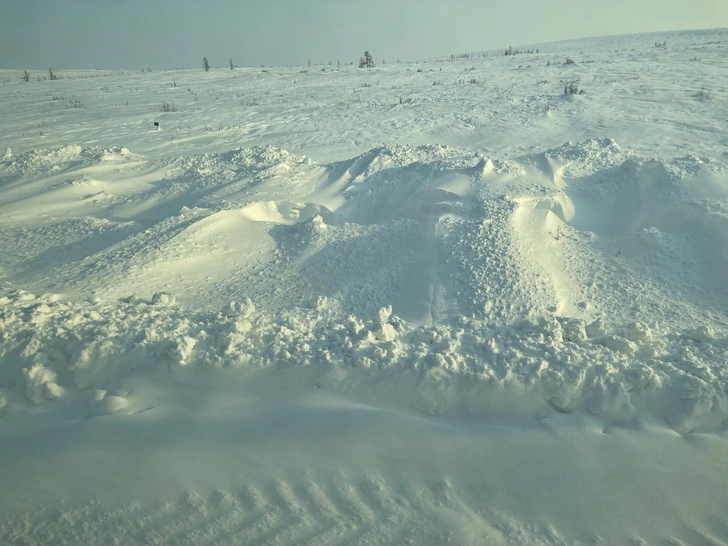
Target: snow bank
{"x": 622, "y": 375}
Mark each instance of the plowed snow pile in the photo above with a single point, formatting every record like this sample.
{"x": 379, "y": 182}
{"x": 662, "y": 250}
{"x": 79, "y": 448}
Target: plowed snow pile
{"x": 429, "y": 322}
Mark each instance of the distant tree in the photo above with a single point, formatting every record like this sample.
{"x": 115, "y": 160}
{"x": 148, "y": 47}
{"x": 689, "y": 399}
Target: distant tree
{"x": 366, "y": 61}
{"x": 231, "y": 63}
{"x": 51, "y": 75}
{"x": 205, "y": 64}
{"x": 26, "y": 77}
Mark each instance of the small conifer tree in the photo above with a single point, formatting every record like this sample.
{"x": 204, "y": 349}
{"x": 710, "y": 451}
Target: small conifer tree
{"x": 366, "y": 61}
{"x": 205, "y": 64}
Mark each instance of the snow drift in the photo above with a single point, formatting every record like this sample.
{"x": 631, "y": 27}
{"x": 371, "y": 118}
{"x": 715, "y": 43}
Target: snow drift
{"x": 307, "y": 311}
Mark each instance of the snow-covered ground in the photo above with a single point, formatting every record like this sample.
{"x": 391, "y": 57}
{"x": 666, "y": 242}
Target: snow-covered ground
{"x": 425, "y": 303}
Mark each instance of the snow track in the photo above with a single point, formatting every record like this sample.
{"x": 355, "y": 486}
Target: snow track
{"x": 340, "y": 512}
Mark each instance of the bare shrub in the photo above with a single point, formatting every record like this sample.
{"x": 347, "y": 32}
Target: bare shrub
{"x": 572, "y": 88}
{"x": 167, "y": 107}
{"x": 702, "y": 95}
{"x": 504, "y": 93}
{"x": 511, "y": 51}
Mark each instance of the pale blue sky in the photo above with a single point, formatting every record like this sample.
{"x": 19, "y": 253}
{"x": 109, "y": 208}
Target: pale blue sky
{"x": 38, "y": 34}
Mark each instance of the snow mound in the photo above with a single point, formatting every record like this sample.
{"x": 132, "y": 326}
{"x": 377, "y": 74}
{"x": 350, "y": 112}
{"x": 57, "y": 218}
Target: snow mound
{"x": 429, "y": 276}
{"x": 282, "y": 212}
{"x": 44, "y": 162}
{"x": 256, "y": 164}
{"x": 583, "y": 230}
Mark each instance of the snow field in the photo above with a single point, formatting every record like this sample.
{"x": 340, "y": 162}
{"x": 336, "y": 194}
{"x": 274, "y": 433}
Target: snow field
{"x": 304, "y": 312}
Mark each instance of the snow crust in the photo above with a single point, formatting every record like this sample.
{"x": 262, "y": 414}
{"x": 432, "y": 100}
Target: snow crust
{"x": 325, "y": 313}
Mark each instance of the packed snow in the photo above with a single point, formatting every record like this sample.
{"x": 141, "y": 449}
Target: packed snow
{"x": 424, "y": 303}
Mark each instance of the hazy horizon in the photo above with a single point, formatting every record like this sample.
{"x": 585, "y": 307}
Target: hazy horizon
{"x": 67, "y": 34}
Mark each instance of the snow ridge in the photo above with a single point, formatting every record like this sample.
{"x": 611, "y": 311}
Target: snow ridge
{"x": 79, "y": 352}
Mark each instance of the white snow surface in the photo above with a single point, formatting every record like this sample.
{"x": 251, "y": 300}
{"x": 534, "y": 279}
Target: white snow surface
{"x": 425, "y": 303}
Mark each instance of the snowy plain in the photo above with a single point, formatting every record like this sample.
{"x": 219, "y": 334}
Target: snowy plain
{"x": 424, "y": 303}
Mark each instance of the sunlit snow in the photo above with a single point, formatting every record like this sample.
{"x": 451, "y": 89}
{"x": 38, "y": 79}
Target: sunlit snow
{"x": 415, "y": 304}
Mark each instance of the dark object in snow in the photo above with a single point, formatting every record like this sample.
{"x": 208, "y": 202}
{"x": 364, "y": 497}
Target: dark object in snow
{"x": 156, "y": 124}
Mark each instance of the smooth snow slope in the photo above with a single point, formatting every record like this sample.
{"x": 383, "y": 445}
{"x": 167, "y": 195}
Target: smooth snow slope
{"x": 427, "y": 302}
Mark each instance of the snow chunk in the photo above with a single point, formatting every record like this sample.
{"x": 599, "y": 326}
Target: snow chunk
{"x": 638, "y": 332}
{"x": 385, "y": 313}
{"x": 69, "y": 151}
{"x": 703, "y": 334}
{"x": 115, "y": 154}
{"x": 619, "y": 344}
{"x": 22, "y": 295}
{"x": 574, "y": 331}
{"x": 108, "y": 405}
{"x": 386, "y": 333}
{"x": 163, "y": 299}
{"x": 595, "y": 329}
{"x": 40, "y": 384}
{"x": 318, "y": 223}
{"x": 239, "y": 309}
{"x": 182, "y": 349}
{"x": 42, "y": 308}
